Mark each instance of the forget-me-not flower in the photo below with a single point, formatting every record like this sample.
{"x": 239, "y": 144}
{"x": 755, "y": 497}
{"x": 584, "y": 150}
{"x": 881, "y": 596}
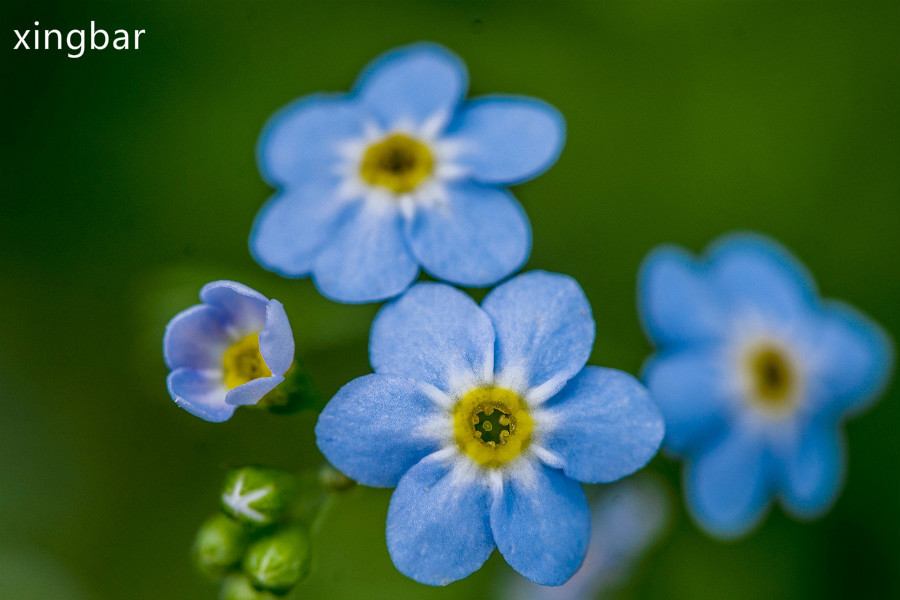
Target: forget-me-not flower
{"x": 753, "y": 374}
{"x": 229, "y": 351}
{"x": 401, "y": 172}
{"x": 486, "y": 419}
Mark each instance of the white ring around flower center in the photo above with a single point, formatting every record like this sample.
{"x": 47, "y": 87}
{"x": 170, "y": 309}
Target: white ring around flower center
{"x": 430, "y": 191}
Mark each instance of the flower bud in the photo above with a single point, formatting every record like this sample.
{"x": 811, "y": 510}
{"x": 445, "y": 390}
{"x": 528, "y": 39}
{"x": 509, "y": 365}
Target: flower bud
{"x": 280, "y": 561}
{"x": 258, "y": 496}
{"x": 238, "y": 587}
{"x": 220, "y": 543}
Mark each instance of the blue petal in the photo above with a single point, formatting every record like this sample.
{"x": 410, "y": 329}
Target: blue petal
{"x": 252, "y": 391}
{"x": 814, "y": 470}
{"x": 437, "y": 524}
{"x": 200, "y": 394}
{"x": 728, "y": 487}
{"x": 276, "y": 341}
{"x": 754, "y": 274}
{"x": 478, "y": 238}
{"x": 626, "y": 519}
{"x": 541, "y": 524}
{"x": 853, "y": 359}
{"x": 291, "y": 229}
{"x": 372, "y": 429}
{"x": 606, "y": 425}
{"x": 435, "y": 334}
{"x": 675, "y": 300}
{"x": 544, "y": 330}
{"x": 303, "y": 139}
{"x": 412, "y": 84}
{"x": 245, "y": 308}
{"x": 689, "y": 387}
{"x": 196, "y": 338}
{"x": 507, "y": 139}
{"x": 367, "y": 260}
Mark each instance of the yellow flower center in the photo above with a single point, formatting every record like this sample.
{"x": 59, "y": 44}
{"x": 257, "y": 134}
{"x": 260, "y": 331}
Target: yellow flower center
{"x": 397, "y": 162}
{"x": 773, "y": 380}
{"x": 243, "y": 362}
{"x": 492, "y": 425}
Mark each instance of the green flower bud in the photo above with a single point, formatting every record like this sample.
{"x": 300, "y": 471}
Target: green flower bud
{"x": 219, "y": 545}
{"x": 333, "y": 480}
{"x": 258, "y": 496}
{"x": 238, "y": 587}
{"x": 280, "y": 561}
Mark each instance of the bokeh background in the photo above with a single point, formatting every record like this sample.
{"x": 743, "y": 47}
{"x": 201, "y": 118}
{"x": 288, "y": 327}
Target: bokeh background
{"x": 128, "y": 181}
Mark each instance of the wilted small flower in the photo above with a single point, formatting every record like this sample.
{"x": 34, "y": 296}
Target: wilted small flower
{"x": 220, "y": 544}
{"x": 754, "y": 373}
{"x": 258, "y": 496}
{"x": 229, "y": 351}
{"x": 279, "y": 561}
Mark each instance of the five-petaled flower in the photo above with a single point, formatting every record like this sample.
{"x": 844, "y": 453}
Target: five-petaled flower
{"x": 753, "y": 374}
{"x": 486, "y": 419}
{"x": 400, "y": 173}
{"x": 229, "y": 351}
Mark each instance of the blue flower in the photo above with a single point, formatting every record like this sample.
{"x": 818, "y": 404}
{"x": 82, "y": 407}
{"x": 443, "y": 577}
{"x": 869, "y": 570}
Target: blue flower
{"x": 485, "y": 419}
{"x": 227, "y": 352}
{"x": 753, "y": 374}
{"x": 627, "y": 519}
{"x": 401, "y": 172}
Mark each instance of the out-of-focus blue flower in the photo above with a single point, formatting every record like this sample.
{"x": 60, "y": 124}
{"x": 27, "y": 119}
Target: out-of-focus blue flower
{"x": 627, "y": 518}
{"x": 229, "y": 351}
{"x": 486, "y": 419}
{"x": 401, "y": 172}
{"x": 753, "y": 374}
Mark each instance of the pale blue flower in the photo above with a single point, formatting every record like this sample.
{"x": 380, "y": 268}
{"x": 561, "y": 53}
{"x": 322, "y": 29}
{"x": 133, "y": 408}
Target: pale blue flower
{"x": 402, "y": 172}
{"x": 486, "y": 419}
{"x": 229, "y": 351}
{"x": 753, "y": 374}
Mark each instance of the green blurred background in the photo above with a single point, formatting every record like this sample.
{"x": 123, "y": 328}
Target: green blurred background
{"x": 128, "y": 181}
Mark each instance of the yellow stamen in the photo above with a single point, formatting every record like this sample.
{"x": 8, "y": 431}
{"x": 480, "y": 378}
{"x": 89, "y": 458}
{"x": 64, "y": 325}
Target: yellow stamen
{"x": 492, "y": 425}
{"x": 773, "y": 379}
{"x": 243, "y": 362}
{"x": 398, "y": 163}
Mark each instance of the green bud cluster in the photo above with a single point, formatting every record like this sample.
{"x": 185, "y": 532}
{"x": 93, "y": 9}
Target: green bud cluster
{"x": 259, "y": 544}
